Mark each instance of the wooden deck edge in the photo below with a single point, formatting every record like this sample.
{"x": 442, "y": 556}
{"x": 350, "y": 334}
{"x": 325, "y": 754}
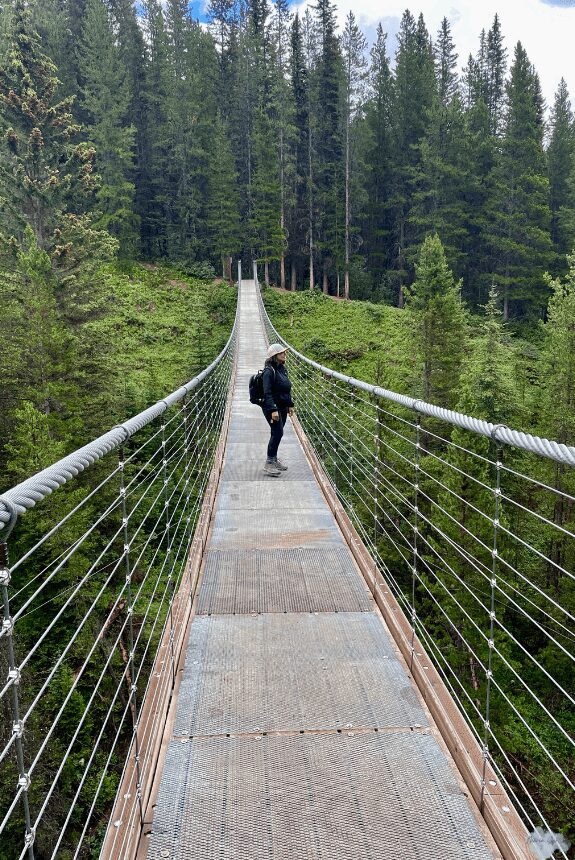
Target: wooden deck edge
{"x": 156, "y": 743}
{"x": 497, "y": 811}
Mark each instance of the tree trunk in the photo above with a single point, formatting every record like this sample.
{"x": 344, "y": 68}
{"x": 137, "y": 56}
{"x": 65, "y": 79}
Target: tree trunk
{"x": 293, "y": 278}
{"x": 325, "y": 285}
{"x": 267, "y": 273}
{"x": 337, "y": 285}
{"x": 310, "y": 207}
{"x": 346, "y": 271}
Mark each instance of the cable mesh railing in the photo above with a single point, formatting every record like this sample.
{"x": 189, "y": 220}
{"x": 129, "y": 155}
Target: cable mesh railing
{"x": 471, "y": 526}
{"x": 96, "y": 595}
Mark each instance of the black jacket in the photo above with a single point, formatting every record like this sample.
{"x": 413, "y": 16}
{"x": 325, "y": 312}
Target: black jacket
{"x": 277, "y": 388}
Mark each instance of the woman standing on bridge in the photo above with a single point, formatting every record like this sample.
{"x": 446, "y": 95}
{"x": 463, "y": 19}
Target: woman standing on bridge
{"x": 277, "y": 404}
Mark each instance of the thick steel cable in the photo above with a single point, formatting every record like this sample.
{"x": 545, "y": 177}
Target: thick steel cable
{"x": 498, "y": 432}
{"x": 485, "y": 516}
{"x": 202, "y": 439}
{"x": 149, "y": 640}
{"x": 466, "y": 586}
{"x": 447, "y": 674}
{"x": 26, "y": 494}
{"x": 328, "y": 450}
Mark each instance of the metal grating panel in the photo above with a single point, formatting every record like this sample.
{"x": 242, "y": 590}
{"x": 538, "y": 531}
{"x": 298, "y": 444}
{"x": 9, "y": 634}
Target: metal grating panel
{"x": 274, "y": 529}
{"x": 263, "y": 495}
{"x": 295, "y": 580}
{"x": 371, "y": 796}
{"x": 280, "y": 672}
{"x": 252, "y": 469}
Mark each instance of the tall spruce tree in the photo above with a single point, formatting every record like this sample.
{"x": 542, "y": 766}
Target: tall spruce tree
{"x": 518, "y": 210}
{"x": 495, "y": 71}
{"x": 131, "y": 47}
{"x": 445, "y": 64}
{"x": 299, "y": 225}
{"x": 440, "y": 189}
{"x": 379, "y": 113}
{"x": 437, "y": 321}
{"x": 415, "y": 88}
{"x": 329, "y": 149}
{"x": 354, "y": 47}
{"x": 223, "y": 219}
{"x": 106, "y": 100}
{"x": 267, "y": 234}
{"x": 311, "y": 39}
{"x": 157, "y": 135}
{"x": 561, "y": 167}
{"x": 281, "y": 110}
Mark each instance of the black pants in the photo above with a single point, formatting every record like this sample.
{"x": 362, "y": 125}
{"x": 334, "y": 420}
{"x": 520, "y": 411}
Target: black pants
{"x": 277, "y": 431}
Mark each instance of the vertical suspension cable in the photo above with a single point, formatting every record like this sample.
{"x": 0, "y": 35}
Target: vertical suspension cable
{"x": 133, "y": 688}
{"x": 7, "y": 633}
{"x": 168, "y": 548}
{"x": 492, "y": 615}
{"x": 414, "y": 573}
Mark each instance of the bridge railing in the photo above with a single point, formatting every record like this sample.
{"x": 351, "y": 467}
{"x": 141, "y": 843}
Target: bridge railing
{"x": 472, "y": 527}
{"x": 96, "y": 594}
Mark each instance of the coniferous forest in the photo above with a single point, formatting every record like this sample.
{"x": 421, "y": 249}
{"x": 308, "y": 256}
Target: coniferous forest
{"x": 136, "y": 133}
{"x": 142, "y": 153}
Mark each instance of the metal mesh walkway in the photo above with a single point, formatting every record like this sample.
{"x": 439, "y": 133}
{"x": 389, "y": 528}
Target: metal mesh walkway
{"x": 298, "y": 733}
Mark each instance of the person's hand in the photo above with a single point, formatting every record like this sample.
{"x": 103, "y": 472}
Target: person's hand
{"x": 275, "y": 416}
{"x": 290, "y": 410}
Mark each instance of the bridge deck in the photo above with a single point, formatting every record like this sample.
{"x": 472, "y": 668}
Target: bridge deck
{"x": 298, "y": 733}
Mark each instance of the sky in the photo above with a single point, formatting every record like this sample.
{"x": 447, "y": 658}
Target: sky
{"x": 546, "y": 28}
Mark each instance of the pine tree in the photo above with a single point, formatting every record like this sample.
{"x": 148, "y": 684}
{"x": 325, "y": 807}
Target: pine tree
{"x": 311, "y": 39}
{"x": 328, "y": 176}
{"x": 557, "y": 371}
{"x": 518, "y": 210}
{"x": 484, "y": 77}
{"x": 496, "y": 67}
{"x": 445, "y": 64}
{"x": 441, "y": 188}
{"x": 561, "y": 167}
{"x": 130, "y": 41}
{"x": 299, "y": 225}
{"x": 415, "y": 88}
{"x": 282, "y": 108}
{"x": 223, "y": 199}
{"x": 379, "y": 113}
{"x": 267, "y": 235}
{"x": 155, "y": 155}
{"x": 106, "y": 100}
{"x": 354, "y": 46}
{"x": 59, "y": 37}
{"x": 438, "y": 324}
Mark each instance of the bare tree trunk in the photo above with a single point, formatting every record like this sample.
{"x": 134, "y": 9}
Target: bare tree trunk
{"x": 224, "y": 266}
{"x": 267, "y": 273}
{"x": 293, "y": 278}
{"x": 401, "y": 298}
{"x": 282, "y": 213}
{"x": 325, "y": 285}
{"x": 337, "y": 287}
{"x": 310, "y": 210}
{"x": 346, "y": 271}
{"x": 230, "y": 262}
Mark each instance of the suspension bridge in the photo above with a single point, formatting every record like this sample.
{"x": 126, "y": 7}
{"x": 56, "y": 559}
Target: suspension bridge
{"x": 216, "y": 663}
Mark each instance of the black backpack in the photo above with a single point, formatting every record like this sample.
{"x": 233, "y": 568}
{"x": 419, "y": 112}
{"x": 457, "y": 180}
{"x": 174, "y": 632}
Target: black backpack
{"x": 257, "y": 388}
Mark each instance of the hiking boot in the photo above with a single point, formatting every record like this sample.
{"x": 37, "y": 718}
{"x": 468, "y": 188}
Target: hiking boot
{"x": 272, "y": 470}
{"x": 280, "y": 465}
